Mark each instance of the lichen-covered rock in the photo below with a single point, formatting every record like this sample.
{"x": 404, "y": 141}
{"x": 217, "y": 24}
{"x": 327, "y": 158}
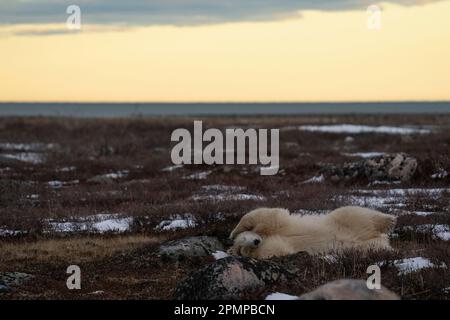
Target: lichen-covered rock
{"x": 347, "y": 289}
{"x": 190, "y": 247}
{"x": 228, "y": 278}
{"x": 9, "y": 279}
{"x": 391, "y": 167}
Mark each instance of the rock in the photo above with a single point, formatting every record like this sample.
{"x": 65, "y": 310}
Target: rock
{"x": 3, "y": 288}
{"x": 190, "y": 247}
{"x": 228, "y": 278}
{"x": 347, "y": 289}
{"x": 9, "y": 279}
{"x": 391, "y": 167}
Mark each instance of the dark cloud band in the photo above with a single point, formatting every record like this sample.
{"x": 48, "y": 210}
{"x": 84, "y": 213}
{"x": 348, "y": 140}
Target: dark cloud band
{"x": 174, "y": 12}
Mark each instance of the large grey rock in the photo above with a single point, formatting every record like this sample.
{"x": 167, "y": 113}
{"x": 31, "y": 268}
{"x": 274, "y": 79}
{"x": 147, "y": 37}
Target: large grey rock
{"x": 190, "y": 247}
{"x": 228, "y": 278}
{"x": 391, "y": 167}
{"x": 347, "y": 289}
{"x": 9, "y": 279}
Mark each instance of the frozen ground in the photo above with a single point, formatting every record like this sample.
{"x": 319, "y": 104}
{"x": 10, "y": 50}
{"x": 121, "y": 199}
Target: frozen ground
{"x": 107, "y": 194}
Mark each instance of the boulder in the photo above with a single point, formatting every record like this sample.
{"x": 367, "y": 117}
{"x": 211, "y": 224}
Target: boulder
{"x": 348, "y": 289}
{"x": 390, "y": 167}
{"x": 228, "y": 278}
{"x": 190, "y": 247}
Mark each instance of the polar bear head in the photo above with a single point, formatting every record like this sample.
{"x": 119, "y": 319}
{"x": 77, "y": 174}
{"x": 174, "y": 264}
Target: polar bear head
{"x": 248, "y": 239}
{"x": 245, "y": 242}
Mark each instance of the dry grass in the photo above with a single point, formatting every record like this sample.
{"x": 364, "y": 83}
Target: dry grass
{"x": 71, "y": 250}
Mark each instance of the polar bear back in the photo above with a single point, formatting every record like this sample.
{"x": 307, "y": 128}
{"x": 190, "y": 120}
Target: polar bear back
{"x": 364, "y": 223}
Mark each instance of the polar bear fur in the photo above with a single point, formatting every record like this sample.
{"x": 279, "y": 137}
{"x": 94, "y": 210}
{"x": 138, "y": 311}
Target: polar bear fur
{"x": 281, "y": 233}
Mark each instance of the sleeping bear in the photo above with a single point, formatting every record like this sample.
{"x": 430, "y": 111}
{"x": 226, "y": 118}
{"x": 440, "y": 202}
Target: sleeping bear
{"x": 269, "y": 232}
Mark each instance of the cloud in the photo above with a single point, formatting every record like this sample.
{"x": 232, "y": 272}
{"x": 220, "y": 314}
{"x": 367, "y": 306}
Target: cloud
{"x": 170, "y": 12}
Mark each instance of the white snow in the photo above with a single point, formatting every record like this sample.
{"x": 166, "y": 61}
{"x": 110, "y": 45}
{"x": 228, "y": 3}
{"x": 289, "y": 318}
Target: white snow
{"x": 377, "y": 182}
{"x": 220, "y": 187}
{"x": 316, "y": 179}
{"x": 198, "y": 175}
{"x": 372, "y": 201}
{"x": 66, "y": 169}
{"x": 27, "y": 146}
{"x": 172, "y": 168}
{"x": 228, "y": 197}
{"x": 440, "y": 231}
{"x": 30, "y": 157}
{"x": 304, "y": 212}
{"x": 117, "y": 175}
{"x": 220, "y": 255}
{"x": 281, "y": 296}
{"x": 423, "y": 213}
{"x": 357, "y": 129}
{"x": 8, "y": 232}
{"x": 177, "y": 222}
{"x": 219, "y": 192}
{"x": 365, "y": 154}
{"x": 380, "y": 198}
{"x": 409, "y": 265}
{"x": 99, "y": 223}
{"x": 98, "y": 292}
{"x": 56, "y": 184}
{"x": 440, "y": 175}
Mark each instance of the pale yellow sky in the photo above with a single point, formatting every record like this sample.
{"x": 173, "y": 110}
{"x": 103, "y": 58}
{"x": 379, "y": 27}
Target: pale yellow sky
{"x": 320, "y": 56}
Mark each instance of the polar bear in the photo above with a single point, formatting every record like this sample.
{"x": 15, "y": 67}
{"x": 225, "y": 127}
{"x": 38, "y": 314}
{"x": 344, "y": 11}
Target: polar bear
{"x": 269, "y": 232}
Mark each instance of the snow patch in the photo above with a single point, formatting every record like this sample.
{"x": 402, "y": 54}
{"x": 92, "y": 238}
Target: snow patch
{"x": 29, "y": 157}
{"x": 392, "y": 198}
{"x": 173, "y": 168}
{"x": 40, "y": 147}
{"x": 409, "y": 265}
{"x": 357, "y": 129}
{"x": 229, "y": 197}
{"x": 365, "y": 154}
{"x": 117, "y": 175}
{"x": 66, "y": 169}
{"x": 99, "y": 223}
{"x": 440, "y": 231}
{"x": 56, "y": 184}
{"x": 177, "y": 222}
{"x": 423, "y": 213}
{"x": 220, "y": 255}
{"x": 219, "y": 187}
{"x": 10, "y": 233}
{"x": 281, "y": 296}
{"x": 316, "y": 179}
{"x": 198, "y": 175}
{"x": 440, "y": 175}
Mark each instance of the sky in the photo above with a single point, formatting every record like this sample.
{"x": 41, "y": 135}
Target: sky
{"x": 224, "y": 51}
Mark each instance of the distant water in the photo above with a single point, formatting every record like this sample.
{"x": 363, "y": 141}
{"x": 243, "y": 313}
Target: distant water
{"x": 114, "y": 110}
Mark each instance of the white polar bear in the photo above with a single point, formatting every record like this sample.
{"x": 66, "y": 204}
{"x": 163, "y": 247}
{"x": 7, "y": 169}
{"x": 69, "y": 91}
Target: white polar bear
{"x": 266, "y": 232}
